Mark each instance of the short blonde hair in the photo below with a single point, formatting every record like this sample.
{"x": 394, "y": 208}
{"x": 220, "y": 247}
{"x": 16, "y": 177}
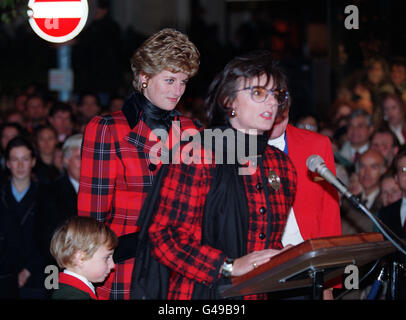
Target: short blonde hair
{"x": 167, "y": 49}
{"x": 80, "y": 233}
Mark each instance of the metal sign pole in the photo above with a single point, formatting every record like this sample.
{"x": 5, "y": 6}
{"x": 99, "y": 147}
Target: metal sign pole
{"x": 64, "y": 64}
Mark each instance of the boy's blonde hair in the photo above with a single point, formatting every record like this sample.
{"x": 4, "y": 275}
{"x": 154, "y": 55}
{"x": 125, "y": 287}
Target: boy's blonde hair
{"x": 80, "y": 233}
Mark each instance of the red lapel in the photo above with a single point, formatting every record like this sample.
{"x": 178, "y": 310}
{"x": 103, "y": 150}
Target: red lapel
{"x": 77, "y": 283}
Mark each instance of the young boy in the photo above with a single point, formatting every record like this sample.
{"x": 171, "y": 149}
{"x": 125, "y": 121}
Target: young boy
{"x": 83, "y": 247}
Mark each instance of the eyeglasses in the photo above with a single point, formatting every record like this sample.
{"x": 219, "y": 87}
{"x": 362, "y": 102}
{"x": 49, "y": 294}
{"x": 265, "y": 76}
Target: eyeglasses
{"x": 307, "y": 126}
{"x": 401, "y": 170}
{"x": 260, "y": 94}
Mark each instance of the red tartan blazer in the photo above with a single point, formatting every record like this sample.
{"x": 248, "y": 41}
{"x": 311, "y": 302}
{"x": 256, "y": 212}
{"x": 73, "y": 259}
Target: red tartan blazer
{"x": 116, "y": 175}
{"x": 316, "y": 205}
{"x": 176, "y": 228}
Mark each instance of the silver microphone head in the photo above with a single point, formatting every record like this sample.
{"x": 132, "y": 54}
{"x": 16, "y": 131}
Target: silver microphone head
{"x": 313, "y": 162}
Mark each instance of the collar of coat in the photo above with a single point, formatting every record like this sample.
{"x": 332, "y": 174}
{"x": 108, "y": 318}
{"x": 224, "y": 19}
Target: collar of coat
{"x": 134, "y": 106}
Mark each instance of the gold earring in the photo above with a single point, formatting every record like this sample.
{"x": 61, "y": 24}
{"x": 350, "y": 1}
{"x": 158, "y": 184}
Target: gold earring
{"x": 144, "y": 85}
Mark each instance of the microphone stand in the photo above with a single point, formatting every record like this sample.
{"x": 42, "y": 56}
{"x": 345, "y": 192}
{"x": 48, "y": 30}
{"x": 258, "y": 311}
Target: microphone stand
{"x": 316, "y": 164}
{"x": 386, "y": 231}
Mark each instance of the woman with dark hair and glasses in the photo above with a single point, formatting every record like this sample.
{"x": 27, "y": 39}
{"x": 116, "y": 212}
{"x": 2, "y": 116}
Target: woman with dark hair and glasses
{"x": 217, "y": 220}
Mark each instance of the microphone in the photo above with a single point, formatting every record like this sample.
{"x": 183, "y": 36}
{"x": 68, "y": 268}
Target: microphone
{"x": 315, "y": 163}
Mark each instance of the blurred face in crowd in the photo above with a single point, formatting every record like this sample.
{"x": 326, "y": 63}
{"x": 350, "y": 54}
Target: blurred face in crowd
{"x": 398, "y": 74}
{"x": 354, "y": 186}
{"x": 362, "y": 91}
{"x": 401, "y": 174}
{"x": 62, "y": 122}
{"x": 375, "y": 72}
{"x": 8, "y": 134}
{"x": 390, "y": 191}
{"x": 35, "y": 109}
{"x": 383, "y": 143}
{"x": 165, "y": 88}
{"x": 344, "y": 93}
{"x": 371, "y": 166}
{"x": 89, "y": 107}
{"x": 249, "y": 113}
{"x": 308, "y": 123}
{"x": 20, "y": 102}
{"x": 358, "y": 131}
{"x": 72, "y": 163}
{"x": 116, "y": 104}
{"x": 342, "y": 112}
{"x": 393, "y": 112}
{"x": 46, "y": 141}
{"x": 16, "y": 118}
{"x": 20, "y": 163}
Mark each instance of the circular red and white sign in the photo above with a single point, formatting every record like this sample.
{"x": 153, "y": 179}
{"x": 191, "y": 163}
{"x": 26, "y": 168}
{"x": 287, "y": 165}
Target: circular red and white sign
{"x": 57, "y": 20}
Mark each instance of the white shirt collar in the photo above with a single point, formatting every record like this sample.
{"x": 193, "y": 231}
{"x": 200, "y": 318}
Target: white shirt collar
{"x": 398, "y": 132}
{"x": 81, "y": 278}
{"x": 278, "y": 142}
{"x": 397, "y": 129}
{"x": 370, "y": 198}
{"x": 403, "y": 211}
{"x": 75, "y": 184}
{"x": 360, "y": 150}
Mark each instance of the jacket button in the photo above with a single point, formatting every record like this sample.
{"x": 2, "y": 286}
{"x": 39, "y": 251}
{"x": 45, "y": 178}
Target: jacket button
{"x": 262, "y": 236}
{"x": 262, "y": 210}
{"x": 259, "y": 186}
{"x": 152, "y": 166}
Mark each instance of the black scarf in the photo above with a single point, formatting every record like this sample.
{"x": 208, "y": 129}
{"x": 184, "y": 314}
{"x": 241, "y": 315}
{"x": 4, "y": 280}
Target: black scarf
{"x": 153, "y": 116}
{"x": 226, "y": 213}
{"x": 150, "y": 279}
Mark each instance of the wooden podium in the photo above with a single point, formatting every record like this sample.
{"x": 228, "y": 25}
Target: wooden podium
{"x": 311, "y": 263}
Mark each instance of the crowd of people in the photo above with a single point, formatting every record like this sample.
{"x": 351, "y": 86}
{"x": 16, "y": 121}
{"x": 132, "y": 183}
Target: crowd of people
{"x": 60, "y": 160}
{"x": 367, "y": 131}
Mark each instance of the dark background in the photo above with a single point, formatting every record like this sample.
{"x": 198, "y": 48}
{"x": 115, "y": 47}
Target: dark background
{"x": 303, "y": 35}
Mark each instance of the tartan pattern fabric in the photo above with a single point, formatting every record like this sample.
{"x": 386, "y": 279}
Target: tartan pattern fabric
{"x": 176, "y": 229}
{"x": 116, "y": 175}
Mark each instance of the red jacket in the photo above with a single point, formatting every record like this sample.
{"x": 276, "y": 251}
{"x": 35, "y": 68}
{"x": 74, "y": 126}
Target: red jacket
{"x": 316, "y": 204}
{"x": 116, "y": 175}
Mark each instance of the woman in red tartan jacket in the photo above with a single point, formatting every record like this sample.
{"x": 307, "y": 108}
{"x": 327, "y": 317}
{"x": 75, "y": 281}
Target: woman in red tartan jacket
{"x": 116, "y": 171}
{"x": 217, "y": 221}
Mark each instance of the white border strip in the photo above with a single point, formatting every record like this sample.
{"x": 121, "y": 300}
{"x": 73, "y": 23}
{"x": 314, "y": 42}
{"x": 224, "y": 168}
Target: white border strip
{"x": 61, "y": 9}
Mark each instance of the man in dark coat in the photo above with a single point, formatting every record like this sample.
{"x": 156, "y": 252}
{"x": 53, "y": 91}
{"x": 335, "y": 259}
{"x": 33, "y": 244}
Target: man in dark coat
{"x": 394, "y": 216}
{"x": 60, "y": 202}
